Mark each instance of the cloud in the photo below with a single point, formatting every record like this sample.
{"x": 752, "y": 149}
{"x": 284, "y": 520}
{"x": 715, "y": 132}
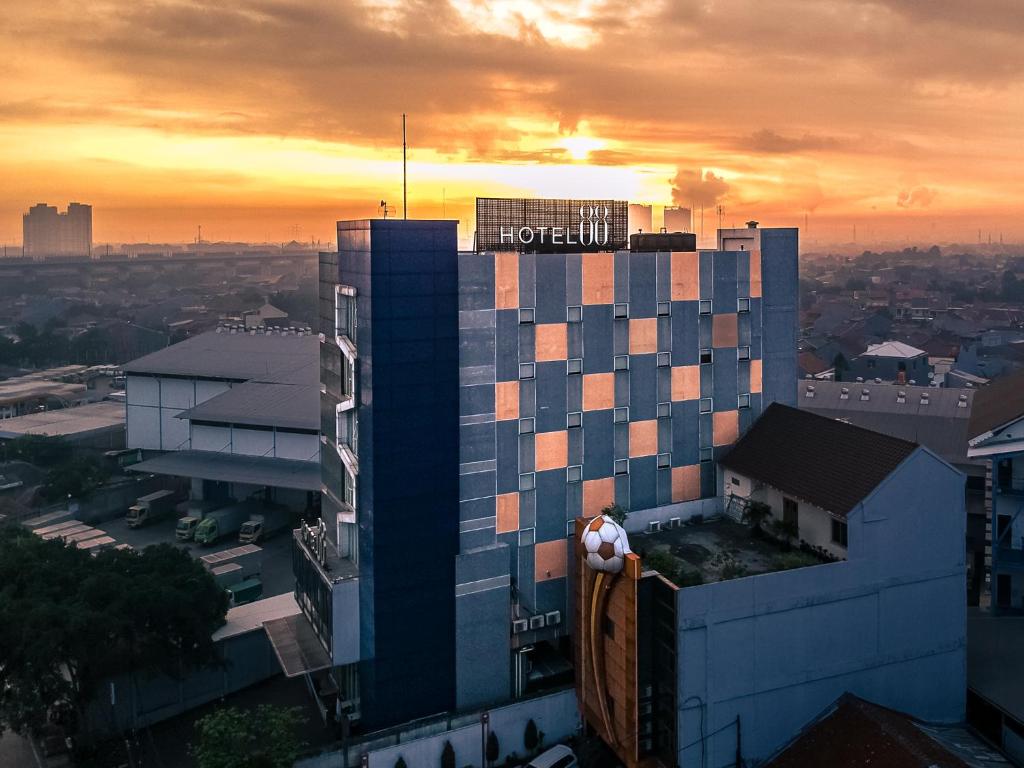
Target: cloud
{"x": 690, "y": 188}
{"x": 918, "y": 197}
{"x": 768, "y": 141}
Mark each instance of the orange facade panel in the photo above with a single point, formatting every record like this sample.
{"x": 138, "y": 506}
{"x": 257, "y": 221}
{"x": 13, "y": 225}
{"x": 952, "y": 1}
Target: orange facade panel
{"x": 755, "y": 375}
{"x": 755, "y": 274}
{"x": 726, "y": 427}
{"x": 551, "y": 342}
{"x": 685, "y": 276}
{"x": 725, "y": 330}
{"x": 506, "y": 400}
{"x": 598, "y": 278}
{"x": 507, "y": 512}
{"x": 598, "y": 391}
{"x": 506, "y": 280}
{"x": 551, "y": 450}
{"x": 549, "y": 560}
{"x": 686, "y": 483}
{"x": 643, "y": 336}
{"x": 686, "y": 382}
{"x": 598, "y": 494}
{"x": 643, "y": 438}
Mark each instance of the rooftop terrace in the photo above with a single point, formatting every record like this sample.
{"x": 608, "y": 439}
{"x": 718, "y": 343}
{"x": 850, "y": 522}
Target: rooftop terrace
{"x": 718, "y": 549}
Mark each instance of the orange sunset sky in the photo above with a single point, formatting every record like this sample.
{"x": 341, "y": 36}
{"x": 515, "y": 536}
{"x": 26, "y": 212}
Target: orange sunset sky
{"x": 265, "y": 119}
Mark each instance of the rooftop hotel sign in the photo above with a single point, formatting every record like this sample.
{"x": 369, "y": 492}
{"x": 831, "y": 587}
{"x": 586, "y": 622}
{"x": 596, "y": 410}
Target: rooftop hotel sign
{"x": 550, "y": 226}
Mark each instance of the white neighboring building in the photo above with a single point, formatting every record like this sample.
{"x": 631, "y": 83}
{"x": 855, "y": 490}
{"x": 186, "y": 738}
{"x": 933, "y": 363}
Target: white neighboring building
{"x": 235, "y": 412}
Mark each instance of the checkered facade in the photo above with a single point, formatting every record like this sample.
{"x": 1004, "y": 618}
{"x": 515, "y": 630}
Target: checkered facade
{"x": 599, "y": 378}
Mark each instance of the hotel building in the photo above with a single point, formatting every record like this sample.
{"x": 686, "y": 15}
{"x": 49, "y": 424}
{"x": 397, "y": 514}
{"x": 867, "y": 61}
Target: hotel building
{"x": 475, "y": 404}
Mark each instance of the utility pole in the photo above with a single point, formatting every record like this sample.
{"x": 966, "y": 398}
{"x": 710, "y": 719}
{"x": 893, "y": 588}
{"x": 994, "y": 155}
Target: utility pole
{"x": 405, "y": 201}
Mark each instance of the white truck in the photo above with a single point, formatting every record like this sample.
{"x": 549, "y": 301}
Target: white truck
{"x": 221, "y": 522}
{"x": 151, "y": 507}
{"x": 263, "y": 525}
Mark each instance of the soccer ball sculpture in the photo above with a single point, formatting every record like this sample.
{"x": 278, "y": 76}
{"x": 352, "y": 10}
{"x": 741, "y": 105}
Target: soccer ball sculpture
{"x": 605, "y": 544}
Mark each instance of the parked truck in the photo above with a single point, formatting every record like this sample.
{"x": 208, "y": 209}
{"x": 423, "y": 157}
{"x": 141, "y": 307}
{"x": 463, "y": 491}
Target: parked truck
{"x": 264, "y": 525}
{"x": 195, "y": 511}
{"x": 221, "y": 522}
{"x": 151, "y": 507}
{"x": 247, "y": 560}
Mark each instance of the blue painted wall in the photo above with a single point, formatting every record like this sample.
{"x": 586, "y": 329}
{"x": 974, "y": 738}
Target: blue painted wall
{"x": 887, "y": 625}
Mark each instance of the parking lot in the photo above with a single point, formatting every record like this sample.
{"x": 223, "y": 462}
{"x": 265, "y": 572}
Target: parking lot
{"x": 275, "y": 566}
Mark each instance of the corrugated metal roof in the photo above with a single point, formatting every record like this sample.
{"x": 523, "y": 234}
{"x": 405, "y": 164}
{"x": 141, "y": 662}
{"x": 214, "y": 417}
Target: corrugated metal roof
{"x": 998, "y": 404}
{"x": 236, "y": 357}
{"x": 233, "y": 468}
{"x": 80, "y": 420}
{"x": 296, "y": 406}
{"x": 893, "y": 349}
{"x": 937, "y": 421}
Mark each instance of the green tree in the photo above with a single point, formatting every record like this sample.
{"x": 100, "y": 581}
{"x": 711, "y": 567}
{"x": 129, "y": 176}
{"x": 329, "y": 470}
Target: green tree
{"x": 69, "y": 621}
{"x": 616, "y": 513}
{"x": 787, "y": 530}
{"x": 493, "y": 748}
{"x": 75, "y": 478}
{"x": 264, "y": 738}
{"x": 37, "y": 449}
{"x": 448, "y": 755}
{"x": 530, "y": 736}
{"x": 400, "y": 762}
{"x": 756, "y": 513}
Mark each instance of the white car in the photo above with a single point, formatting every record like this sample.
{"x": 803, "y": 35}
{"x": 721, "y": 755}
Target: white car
{"x": 559, "y": 756}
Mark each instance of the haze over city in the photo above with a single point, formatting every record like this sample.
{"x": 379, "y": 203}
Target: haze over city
{"x": 271, "y": 120}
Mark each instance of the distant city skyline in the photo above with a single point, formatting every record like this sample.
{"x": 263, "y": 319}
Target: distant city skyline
{"x": 279, "y": 122}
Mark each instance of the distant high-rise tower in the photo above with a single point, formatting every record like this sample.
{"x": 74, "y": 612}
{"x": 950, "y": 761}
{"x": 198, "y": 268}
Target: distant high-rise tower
{"x": 678, "y": 220}
{"x": 46, "y": 232}
{"x": 640, "y": 218}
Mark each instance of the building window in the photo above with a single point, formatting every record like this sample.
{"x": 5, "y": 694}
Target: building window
{"x": 839, "y": 532}
{"x": 526, "y": 426}
{"x": 707, "y": 356}
{"x": 526, "y": 371}
{"x": 664, "y": 410}
{"x": 791, "y": 512}
{"x": 526, "y": 537}
{"x": 527, "y": 481}
{"x": 621, "y": 363}
{"x": 622, "y": 466}
{"x": 574, "y": 419}
{"x": 706, "y": 454}
{"x": 574, "y": 473}
{"x": 570, "y": 528}
{"x": 574, "y": 365}
{"x": 526, "y": 315}
{"x": 743, "y": 401}
{"x": 871, "y": 362}
{"x": 704, "y": 306}
{"x": 574, "y": 314}
{"x": 621, "y": 311}
{"x": 743, "y": 304}
{"x": 620, "y": 415}
{"x": 664, "y": 460}
{"x": 705, "y": 405}
{"x": 664, "y": 359}
{"x": 664, "y": 308}
{"x": 743, "y": 353}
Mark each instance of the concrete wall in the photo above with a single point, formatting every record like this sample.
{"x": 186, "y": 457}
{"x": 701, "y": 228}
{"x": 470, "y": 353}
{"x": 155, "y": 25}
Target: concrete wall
{"x": 152, "y": 404}
{"x": 134, "y": 702}
{"x": 814, "y": 522}
{"x": 555, "y": 714}
{"x": 888, "y": 624}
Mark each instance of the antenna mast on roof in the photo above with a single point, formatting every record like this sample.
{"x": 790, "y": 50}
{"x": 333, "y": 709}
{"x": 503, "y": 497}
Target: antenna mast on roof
{"x": 405, "y": 202}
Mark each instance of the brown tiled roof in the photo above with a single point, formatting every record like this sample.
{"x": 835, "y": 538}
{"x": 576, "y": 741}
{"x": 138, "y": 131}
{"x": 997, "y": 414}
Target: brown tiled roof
{"x": 997, "y": 404}
{"x": 857, "y": 733}
{"x": 827, "y": 463}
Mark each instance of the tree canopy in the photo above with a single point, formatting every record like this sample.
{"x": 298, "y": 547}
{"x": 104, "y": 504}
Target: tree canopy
{"x": 266, "y": 737}
{"x": 69, "y": 620}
